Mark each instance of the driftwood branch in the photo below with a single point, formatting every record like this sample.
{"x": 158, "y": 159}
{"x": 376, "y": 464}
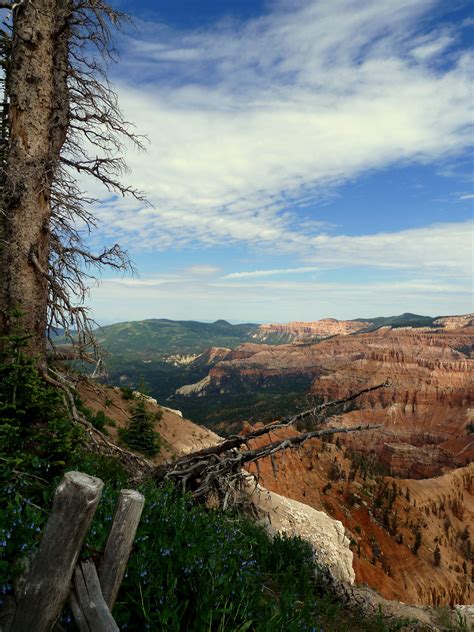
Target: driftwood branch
{"x": 48, "y": 583}
{"x": 218, "y": 469}
{"x": 119, "y": 544}
{"x": 293, "y": 442}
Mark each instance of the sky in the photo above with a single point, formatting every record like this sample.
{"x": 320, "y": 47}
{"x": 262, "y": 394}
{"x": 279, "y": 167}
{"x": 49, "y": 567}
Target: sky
{"x": 305, "y": 159}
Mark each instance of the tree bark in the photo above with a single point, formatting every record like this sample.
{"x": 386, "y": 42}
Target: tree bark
{"x": 38, "y": 121}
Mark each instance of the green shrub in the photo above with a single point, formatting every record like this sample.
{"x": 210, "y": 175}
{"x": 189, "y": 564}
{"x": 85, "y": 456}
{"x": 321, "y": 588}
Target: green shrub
{"x": 127, "y": 392}
{"x": 35, "y": 429}
{"x": 98, "y": 419}
{"x": 21, "y": 522}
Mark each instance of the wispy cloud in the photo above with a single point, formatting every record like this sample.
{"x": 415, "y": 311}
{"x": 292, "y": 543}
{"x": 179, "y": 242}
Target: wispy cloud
{"x": 248, "y": 121}
{"x": 202, "y": 270}
{"x": 433, "y": 249}
{"x": 267, "y": 273}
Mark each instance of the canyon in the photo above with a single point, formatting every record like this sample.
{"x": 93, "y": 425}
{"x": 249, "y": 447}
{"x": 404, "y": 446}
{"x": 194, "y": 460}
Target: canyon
{"x": 425, "y": 410}
{"x": 382, "y": 516}
{"x": 404, "y": 491}
{"x": 410, "y": 479}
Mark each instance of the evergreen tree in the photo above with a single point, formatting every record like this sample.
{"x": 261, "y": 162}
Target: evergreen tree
{"x": 139, "y": 433}
{"x": 417, "y": 543}
{"x": 34, "y": 424}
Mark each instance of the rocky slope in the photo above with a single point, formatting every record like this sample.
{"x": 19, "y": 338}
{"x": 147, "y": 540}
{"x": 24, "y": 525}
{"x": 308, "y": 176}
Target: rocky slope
{"x": 360, "y": 528}
{"x": 382, "y": 516}
{"x": 180, "y": 436}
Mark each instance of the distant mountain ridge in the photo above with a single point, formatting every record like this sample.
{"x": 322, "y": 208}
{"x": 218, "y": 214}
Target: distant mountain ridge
{"x": 402, "y": 320}
{"x": 162, "y": 338}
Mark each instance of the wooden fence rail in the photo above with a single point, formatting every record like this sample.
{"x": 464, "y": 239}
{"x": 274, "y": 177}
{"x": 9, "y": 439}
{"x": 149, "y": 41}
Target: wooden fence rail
{"x": 55, "y": 573}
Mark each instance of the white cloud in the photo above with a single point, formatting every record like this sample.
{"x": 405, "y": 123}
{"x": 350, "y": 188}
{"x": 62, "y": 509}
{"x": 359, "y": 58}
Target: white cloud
{"x": 432, "y": 45}
{"x": 267, "y": 273}
{"x": 274, "y": 112}
{"x": 467, "y": 196}
{"x": 202, "y": 270}
{"x": 441, "y": 247}
{"x": 138, "y": 283}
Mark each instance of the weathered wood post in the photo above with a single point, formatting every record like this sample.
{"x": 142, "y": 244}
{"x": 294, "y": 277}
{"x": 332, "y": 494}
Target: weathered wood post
{"x": 48, "y": 583}
{"x": 119, "y": 544}
{"x": 91, "y": 613}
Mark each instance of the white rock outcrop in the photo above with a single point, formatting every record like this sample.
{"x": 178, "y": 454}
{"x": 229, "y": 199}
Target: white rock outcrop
{"x": 326, "y": 535}
{"x": 194, "y": 389}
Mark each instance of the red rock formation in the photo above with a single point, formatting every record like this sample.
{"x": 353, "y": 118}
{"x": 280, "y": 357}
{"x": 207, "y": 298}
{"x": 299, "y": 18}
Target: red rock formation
{"x": 425, "y": 411}
{"x": 381, "y": 516}
{"x": 426, "y": 405}
{"x": 299, "y": 330}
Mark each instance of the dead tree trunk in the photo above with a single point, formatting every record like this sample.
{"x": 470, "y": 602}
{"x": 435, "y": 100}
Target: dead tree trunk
{"x": 38, "y": 120}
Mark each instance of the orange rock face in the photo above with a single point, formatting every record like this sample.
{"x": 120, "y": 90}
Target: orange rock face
{"x": 382, "y": 516}
{"x": 425, "y": 412}
{"x": 298, "y": 330}
{"x": 426, "y": 409}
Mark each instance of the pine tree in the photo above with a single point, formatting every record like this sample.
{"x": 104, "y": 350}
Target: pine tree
{"x": 139, "y": 433}
{"x": 34, "y": 425}
{"x": 437, "y": 556}
{"x": 417, "y": 543}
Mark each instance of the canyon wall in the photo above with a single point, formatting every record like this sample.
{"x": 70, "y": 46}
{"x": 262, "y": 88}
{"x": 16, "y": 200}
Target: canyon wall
{"x": 299, "y": 330}
{"x": 426, "y": 410}
{"x": 382, "y": 516}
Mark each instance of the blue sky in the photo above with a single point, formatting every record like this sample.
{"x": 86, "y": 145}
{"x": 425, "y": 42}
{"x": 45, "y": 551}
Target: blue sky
{"x": 306, "y": 159}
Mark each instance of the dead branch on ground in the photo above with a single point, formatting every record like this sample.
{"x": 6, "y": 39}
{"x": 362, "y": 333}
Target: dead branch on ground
{"x": 217, "y": 471}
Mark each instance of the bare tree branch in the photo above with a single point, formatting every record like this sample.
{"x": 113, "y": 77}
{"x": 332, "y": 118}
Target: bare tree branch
{"x": 94, "y": 146}
{"x": 218, "y": 469}
{"x": 204, "y": 475}
{"x": 238, "y": 440}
